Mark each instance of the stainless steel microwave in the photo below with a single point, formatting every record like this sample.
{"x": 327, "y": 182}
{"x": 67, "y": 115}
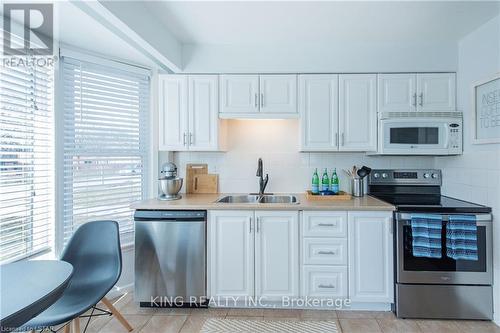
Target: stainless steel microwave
{"x": 420, "y": 133}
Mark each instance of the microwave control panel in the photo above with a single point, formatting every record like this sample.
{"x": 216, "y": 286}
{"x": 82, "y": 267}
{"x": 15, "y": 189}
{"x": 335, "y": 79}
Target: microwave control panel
{"x": 455, "y": 131}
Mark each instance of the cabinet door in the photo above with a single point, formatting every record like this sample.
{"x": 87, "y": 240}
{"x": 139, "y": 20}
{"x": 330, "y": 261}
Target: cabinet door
{"x": 173, "y": 112}
{"x": 357, "y": 112}
{"x": 203, "y": 112}
{"x": 239, "y": 94}
{"x": 397, "y": 92}
{"x": 436, "y": 92}
{"x": 370, "y": 257}
{"x": 276, "y": 254}
{"x": 231, "y": 253}
{"x": 319, "y": 112}
{"x": 278, "y": 94}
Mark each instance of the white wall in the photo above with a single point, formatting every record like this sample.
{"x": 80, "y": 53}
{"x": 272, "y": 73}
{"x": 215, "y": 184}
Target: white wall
{"x": 276, "y": 141}
{"x": 308, "y": 57}
{"x": 475, "y": 176}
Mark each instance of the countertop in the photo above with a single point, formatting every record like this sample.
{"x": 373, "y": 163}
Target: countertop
{"x": 207, "y": 202}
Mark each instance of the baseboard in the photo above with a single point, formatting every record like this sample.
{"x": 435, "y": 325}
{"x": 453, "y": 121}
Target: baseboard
{"x": 120, "y": 290}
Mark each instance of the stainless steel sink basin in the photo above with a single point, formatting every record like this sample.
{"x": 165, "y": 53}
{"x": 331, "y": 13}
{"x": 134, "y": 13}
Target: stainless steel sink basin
{"x": 239, "y": 199}
{"x": 256, "y": 199}
{"x": 279, "y": 199}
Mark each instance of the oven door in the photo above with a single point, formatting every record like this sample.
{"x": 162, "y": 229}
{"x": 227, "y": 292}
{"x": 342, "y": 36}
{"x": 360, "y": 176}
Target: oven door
{"x": 417, "y": 136}
{"x": 444, "y": 270}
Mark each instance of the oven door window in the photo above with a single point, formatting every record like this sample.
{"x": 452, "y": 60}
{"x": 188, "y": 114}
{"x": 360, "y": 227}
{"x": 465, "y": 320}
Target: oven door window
{"x": 414, "y": 135}
{"x": 444, "y": 264}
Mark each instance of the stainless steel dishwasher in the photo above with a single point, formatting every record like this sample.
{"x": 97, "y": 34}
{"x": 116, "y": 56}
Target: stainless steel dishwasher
{"x": 170, "y": 258}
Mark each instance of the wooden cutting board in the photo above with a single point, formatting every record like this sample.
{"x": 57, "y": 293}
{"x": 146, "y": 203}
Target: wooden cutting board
{"x": 206, "y": 183}
{"x": 191, "y": 171}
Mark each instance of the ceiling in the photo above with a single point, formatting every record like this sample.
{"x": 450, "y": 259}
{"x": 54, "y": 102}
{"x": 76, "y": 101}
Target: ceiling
{"x": 248, "y": 23}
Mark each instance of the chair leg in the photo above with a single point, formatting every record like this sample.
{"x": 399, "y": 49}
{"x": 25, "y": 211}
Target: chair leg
{"x": 67, "y": 327}
{"x": 76, "y": 325}
{"x": 117, "y": 314}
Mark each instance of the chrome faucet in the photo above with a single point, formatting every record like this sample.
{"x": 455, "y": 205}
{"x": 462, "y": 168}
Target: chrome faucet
{"x": 262, "y": 181}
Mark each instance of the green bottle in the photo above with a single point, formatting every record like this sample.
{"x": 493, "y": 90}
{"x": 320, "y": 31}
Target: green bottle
{"x": 315, "y": 182}
{"x": 335, "y": 182}
{"x": 325, "y": 181}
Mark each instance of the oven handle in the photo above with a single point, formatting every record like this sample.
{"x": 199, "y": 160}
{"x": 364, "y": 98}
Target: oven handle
{"x": 479, "y": 217}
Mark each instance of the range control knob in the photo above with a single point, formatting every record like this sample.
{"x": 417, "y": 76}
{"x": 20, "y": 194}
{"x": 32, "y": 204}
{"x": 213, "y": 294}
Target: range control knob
{"x": 384, "y": 175}
{"x": 376, "y": 175}
{"x": 435, "y": 175}
{"x": 426, "y": 175}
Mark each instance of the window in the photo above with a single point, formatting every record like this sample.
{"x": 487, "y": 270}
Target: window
{"x": 26, "y": 160}
{"x": 105, "y": 144}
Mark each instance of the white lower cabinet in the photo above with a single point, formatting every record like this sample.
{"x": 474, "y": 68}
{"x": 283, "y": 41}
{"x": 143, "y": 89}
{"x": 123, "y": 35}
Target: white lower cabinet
{"x": 253, "y": 254}
{"x": 371, "y": 257}
{"x": 230, "y": 253}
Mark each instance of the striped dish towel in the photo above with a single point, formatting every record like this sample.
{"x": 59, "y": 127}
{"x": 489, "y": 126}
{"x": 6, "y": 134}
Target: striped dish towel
{"x": 461, "y": 237}
{"x": 426, "y": 235}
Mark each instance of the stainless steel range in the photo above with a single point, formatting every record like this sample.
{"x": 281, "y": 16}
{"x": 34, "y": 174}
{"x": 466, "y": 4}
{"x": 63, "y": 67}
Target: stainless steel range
{"x": 439, "y": 286}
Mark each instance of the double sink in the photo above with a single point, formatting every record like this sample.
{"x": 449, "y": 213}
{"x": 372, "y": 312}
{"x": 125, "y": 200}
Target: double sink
{"x": 258, "y": 199}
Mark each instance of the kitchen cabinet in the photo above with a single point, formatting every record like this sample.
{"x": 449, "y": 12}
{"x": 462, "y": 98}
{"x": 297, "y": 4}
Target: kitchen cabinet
{"x": 416, "y": 92}
{"x": 357, "y": 112}
{"x": 230, "y": 253}
{"x": 253, "y": 253}
{"x": 188, "y": 113}
{"x": 319, "y": 112}
{"x": 276, "y": 254}
{"x": 258, "y": 96}
{"x": 370, "y": 242}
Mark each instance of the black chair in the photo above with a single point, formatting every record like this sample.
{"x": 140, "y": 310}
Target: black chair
{"x": 94, "y": 251}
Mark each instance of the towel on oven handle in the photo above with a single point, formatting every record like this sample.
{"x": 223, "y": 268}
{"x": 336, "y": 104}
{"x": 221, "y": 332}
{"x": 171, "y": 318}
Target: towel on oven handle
{"x": 426, "y": 235}
{"x": 461, "y": 237}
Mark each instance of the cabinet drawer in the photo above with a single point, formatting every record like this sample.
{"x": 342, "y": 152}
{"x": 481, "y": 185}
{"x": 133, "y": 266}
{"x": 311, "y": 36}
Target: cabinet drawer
{"x": 324, "y": 224}
{"x": 324, "y": 281}
{"x": 324, "y": 251}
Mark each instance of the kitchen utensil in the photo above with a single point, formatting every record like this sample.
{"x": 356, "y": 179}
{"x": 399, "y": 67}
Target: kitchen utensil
{"x": 191, "y": 171}
{"x": 358, "y": 187}
{"x": 362, "y": 173}
{"x": 347, "y": 172}
{"x": 169, "y": 184}
{"x": 206, "y": 183}
{"x": 354, "y": 171}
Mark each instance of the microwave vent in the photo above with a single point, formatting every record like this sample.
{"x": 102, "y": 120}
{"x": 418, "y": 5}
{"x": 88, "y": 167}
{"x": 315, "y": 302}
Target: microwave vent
{"x": 417, "y": 114}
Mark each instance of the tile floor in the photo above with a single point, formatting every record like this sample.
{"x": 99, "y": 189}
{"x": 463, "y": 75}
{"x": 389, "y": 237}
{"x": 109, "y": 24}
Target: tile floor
{"x": 146, "y": 320}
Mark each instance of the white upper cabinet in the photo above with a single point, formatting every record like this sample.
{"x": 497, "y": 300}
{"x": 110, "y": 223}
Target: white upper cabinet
{"x": 258, "y": 96}
{"x": 397, "y": 92}
{"x": 436, "y": 92}
{"x": 188, "y": 113}
{"x": 278, "y": 94}
{"x": 357, "y": 112}
{"x": 239, "y": 94}
{"x": 416, "y": 92}
{"x": 371, "y": 257}
{"x": 203, "y": 112}
{"x": 319, "y": 113}
{"x": 173, "y": 106}
{"x": 276, "y": 254}
{"x": 230, "y": 253}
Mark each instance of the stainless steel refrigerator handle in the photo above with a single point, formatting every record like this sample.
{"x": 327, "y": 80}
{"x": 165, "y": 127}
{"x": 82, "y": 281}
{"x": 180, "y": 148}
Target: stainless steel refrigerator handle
{"x": 479, "y": 217}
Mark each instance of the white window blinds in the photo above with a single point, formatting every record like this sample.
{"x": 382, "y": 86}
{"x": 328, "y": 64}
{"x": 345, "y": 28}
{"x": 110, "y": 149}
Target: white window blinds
{"x": 26, "y": 160}
{"x": 105, "y": 144}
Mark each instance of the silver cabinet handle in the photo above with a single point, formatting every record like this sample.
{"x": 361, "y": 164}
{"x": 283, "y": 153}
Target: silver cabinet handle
{"x": 326, "y": 286}
{"x": 342, "y": 139}
{"x": 326, "y": 224}
{"x": 250, "y": 224}
{"x": 326, "y": 252}
{"x": 261, "y": 100}
{"x": 414, "y": 99}
{"x": 190, "y": 138}
{"x": 256, "y": 100}
{"x": 337, "y": 139}
{"x": 421, "y": 96}
{"x": 258, "y": 224}
{"x": 184, "y": 139}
